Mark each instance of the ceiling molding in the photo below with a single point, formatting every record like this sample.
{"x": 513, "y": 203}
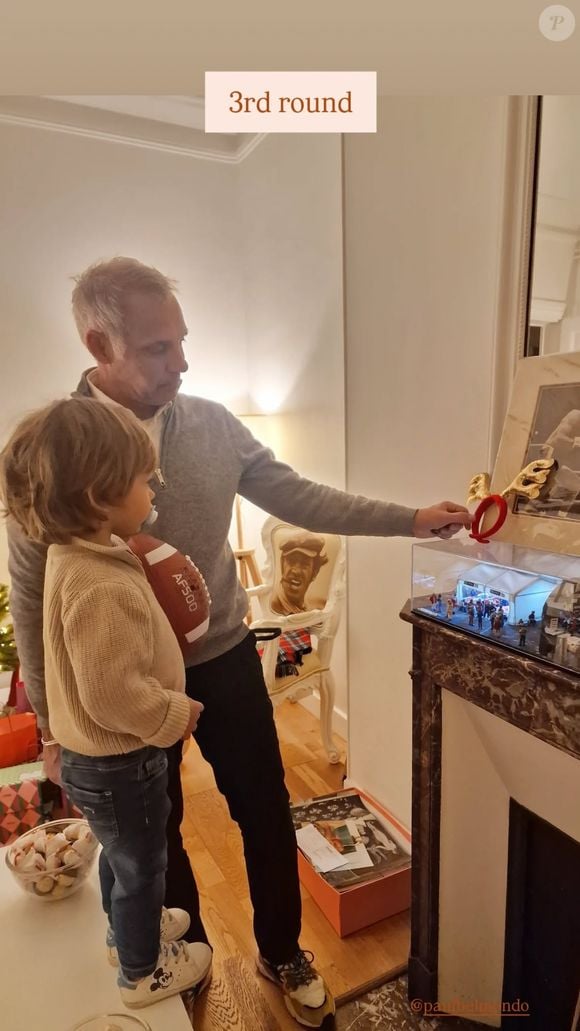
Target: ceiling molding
{"x": 250, "y": 142}
{"x": 185, "y": 111}
{"x": 109, "y": 137}
{"x": 109, "y": 126}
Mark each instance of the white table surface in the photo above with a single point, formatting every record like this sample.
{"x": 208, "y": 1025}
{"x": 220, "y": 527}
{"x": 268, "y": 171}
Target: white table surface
{"x": 53, "y": 963}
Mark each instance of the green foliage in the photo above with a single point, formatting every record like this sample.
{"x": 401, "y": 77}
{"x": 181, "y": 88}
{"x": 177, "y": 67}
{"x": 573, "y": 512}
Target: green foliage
{"x": 8, "y": 656}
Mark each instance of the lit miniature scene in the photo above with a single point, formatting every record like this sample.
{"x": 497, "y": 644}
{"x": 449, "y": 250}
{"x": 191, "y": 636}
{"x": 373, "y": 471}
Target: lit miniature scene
{"x": 517, "y": 608}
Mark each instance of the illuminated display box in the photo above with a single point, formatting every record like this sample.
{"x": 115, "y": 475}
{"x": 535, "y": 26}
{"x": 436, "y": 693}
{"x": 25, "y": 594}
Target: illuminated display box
{"x": 520, "y": 598}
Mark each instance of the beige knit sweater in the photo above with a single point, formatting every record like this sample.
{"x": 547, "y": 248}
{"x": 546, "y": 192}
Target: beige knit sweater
{"x": 115, "y": 677}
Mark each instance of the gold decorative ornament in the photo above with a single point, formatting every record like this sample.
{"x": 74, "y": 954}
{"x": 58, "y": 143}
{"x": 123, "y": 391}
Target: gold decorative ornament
{"x": 529, "y": 484}
{"x": 479, "y": 487}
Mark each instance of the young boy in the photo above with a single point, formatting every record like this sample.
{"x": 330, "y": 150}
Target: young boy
{"x": 75, "y": 476}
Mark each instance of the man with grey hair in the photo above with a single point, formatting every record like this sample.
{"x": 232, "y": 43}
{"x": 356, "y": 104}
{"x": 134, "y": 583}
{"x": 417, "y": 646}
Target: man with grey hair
{"x": 130, "y": 321}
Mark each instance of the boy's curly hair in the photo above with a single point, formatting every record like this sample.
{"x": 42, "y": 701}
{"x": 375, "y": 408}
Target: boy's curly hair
{"x": 65, "y": 461}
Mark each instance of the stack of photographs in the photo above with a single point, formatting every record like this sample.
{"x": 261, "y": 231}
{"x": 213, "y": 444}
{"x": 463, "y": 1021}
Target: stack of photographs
{"x": 364, "y": 849}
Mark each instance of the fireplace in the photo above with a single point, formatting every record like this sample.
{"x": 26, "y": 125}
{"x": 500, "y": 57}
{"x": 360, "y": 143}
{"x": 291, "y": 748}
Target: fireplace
{"x": 542, "y": 946}
{"x": 496, "y": 832}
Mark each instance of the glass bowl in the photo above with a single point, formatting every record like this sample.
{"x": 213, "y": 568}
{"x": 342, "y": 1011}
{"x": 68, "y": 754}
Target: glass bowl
{"x": 53, "y": 860}
{"x": 113, "y": 1022}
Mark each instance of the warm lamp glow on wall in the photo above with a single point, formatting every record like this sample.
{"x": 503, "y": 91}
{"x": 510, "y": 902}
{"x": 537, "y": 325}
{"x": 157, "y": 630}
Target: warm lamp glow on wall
{"x": 267, "y": 429}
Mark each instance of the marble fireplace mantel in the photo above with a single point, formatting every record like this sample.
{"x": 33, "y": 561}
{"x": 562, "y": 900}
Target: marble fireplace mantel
{"x": 525, "y": 691}
{"x": 452, "y": 673}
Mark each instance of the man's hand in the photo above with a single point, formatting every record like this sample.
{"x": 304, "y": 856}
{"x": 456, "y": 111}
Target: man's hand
{"x": 51, "y": 760}
{"x": 443, "y": 520}
{"x": 195, "y": 711}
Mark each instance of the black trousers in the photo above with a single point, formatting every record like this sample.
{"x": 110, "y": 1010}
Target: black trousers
{"x": 237, "y": 736}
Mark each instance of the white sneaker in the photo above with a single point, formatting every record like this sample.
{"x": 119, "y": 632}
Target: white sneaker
{"x": 181, "y": 966}
{"x": 174, "y": 924}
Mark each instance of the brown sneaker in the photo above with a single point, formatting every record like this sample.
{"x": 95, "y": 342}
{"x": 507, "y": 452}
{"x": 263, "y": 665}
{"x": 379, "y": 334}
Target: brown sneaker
{"x": 307, "y": 996}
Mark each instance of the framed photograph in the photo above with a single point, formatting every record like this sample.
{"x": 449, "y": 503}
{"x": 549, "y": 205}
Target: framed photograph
{"x": 543, "y": 421}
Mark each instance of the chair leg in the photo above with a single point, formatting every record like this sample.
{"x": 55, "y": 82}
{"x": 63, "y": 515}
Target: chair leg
{"x": 326, "y": 711}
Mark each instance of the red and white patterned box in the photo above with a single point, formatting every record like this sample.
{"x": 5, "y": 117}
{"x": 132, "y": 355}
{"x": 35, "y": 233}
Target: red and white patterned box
{"x": 21, "y": 805}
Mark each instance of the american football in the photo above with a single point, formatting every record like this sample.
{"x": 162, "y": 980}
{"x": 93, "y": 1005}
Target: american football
{"x": 178, "y": 586}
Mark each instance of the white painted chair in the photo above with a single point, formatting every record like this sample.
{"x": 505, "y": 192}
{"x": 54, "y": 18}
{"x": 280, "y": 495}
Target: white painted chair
{"x": 303, "y": 589}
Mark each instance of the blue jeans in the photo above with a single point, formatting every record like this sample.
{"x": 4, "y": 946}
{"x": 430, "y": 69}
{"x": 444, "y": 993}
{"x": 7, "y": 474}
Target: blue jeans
{"x": 125, "y": 800}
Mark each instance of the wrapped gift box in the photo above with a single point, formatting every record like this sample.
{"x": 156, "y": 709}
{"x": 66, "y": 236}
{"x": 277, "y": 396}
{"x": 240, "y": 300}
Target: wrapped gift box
{"x": 28, "y": 798}
{"x": 21, "y": 801}
{"x": 18, "y": 738}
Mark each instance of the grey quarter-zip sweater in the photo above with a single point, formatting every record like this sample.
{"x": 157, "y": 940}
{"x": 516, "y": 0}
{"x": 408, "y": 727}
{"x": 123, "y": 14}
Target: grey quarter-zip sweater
{"x": 206, "y": 457}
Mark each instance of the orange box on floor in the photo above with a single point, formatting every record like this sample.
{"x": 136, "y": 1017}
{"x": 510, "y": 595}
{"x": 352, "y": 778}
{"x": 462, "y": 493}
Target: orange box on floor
{"x": 364, "y": 904}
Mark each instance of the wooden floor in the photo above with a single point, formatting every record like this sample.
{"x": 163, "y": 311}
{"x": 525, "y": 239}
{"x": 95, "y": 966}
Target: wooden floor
{"x": 238, "y": 997}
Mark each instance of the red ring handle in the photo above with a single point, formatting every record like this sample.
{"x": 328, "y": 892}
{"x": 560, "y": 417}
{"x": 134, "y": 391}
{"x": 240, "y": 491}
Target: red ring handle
{"x": 493, "y": 499}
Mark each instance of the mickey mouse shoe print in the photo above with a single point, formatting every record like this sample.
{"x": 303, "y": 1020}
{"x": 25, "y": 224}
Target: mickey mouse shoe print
{"x": 181, "y": 966}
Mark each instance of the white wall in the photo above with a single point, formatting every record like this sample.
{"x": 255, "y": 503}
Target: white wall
{"x": 422, "y": 202}
{"x": 67, "y": 201}
{"x": 290, "y": 203}
{"x": 422, "y": 216}
{"x": 256, "y": 248}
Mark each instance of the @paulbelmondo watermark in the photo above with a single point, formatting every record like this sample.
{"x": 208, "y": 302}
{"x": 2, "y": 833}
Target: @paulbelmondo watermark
{"x": 557, "y": 23}
{"x": 471, "y": 1008}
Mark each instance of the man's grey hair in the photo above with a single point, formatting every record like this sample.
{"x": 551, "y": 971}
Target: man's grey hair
{"x": 98, "y": 299}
